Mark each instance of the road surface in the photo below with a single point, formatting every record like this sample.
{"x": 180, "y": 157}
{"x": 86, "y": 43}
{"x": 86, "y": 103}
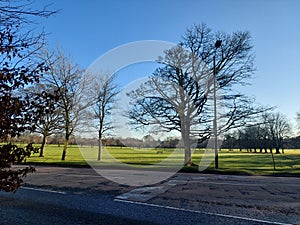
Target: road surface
{"x": 56, "y": 195}
{"x": 33, "y": 206}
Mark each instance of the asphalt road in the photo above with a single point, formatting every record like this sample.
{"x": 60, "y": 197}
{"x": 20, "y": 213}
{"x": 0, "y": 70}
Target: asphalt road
{"x": 31, "y": 206}
{"x": 64, "y": 195}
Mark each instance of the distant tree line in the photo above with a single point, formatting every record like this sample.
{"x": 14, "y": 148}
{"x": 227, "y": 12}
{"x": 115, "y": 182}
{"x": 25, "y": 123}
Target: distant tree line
{"x": 270, "y": 133}
{"x": 233, "y": 142}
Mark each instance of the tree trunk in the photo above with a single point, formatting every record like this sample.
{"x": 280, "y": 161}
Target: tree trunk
{"x": 185, "y": 134}
{"x": 277, "y": 150}
{"x": 64, "y": 153}
{"x": 273, "y": 159}
{"x": 99, "y": 146}
{"x": 43, "y": 146}
{"x": 187, "y": 155}
{"x": 99, "y": 150}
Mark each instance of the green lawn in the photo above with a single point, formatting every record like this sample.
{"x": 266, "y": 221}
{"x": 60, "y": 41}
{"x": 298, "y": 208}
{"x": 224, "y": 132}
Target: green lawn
{"x": 257, "y": 163}
{"x": 233, "y": 162}
{"x": 52, "y": 155}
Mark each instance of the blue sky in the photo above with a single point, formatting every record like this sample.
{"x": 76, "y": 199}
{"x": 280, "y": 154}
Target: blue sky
{"x": 88, "y": 29}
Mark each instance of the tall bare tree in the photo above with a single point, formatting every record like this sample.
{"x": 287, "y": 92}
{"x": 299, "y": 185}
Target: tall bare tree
{"x": 103, "y": 93}
{"x": 178, "y": 95}
{"x": 68, "y": 80}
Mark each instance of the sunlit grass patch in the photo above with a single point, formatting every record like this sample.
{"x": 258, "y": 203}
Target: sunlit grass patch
{"x": 233, "y": 162}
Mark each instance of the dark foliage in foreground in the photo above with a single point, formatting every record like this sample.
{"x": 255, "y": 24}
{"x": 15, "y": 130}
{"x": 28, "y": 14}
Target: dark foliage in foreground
{"x": 11, "y": 177}
{"x": 19, "y": 70}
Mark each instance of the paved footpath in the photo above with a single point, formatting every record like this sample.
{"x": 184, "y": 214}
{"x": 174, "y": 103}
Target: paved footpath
{"x": 263, "y": 198}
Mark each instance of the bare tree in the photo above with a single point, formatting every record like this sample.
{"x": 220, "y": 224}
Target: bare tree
{"x": 178, "y": 95}
{"x": 50, "y": 120}
{"x": 14, "y": 12}
{"x": 104, "y": 91}
{"x": 278, "y": 128}
{"x": 69, "y": 82}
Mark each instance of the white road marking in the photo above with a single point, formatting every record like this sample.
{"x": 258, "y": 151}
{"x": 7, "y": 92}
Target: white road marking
{"x": 75, "y": 175}
{"x": 44, "y": 190}
{"x": 202, "y": 212}
{"x": 234, "y": 184}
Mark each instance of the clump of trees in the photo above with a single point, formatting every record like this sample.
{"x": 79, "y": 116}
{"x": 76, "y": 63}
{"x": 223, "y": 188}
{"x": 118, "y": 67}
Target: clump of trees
{"x": 270, "y": 133}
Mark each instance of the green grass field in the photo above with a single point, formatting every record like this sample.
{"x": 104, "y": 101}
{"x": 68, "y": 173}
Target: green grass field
{"x": 230, "y": 162}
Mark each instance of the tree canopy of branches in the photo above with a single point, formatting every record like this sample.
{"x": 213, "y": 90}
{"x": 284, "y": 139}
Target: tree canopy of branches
{"x": 103, "y": 94}
{"x": 68, "y": 81}
{"x": 178, "y": 95}
{"x": 18, "y": 69}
